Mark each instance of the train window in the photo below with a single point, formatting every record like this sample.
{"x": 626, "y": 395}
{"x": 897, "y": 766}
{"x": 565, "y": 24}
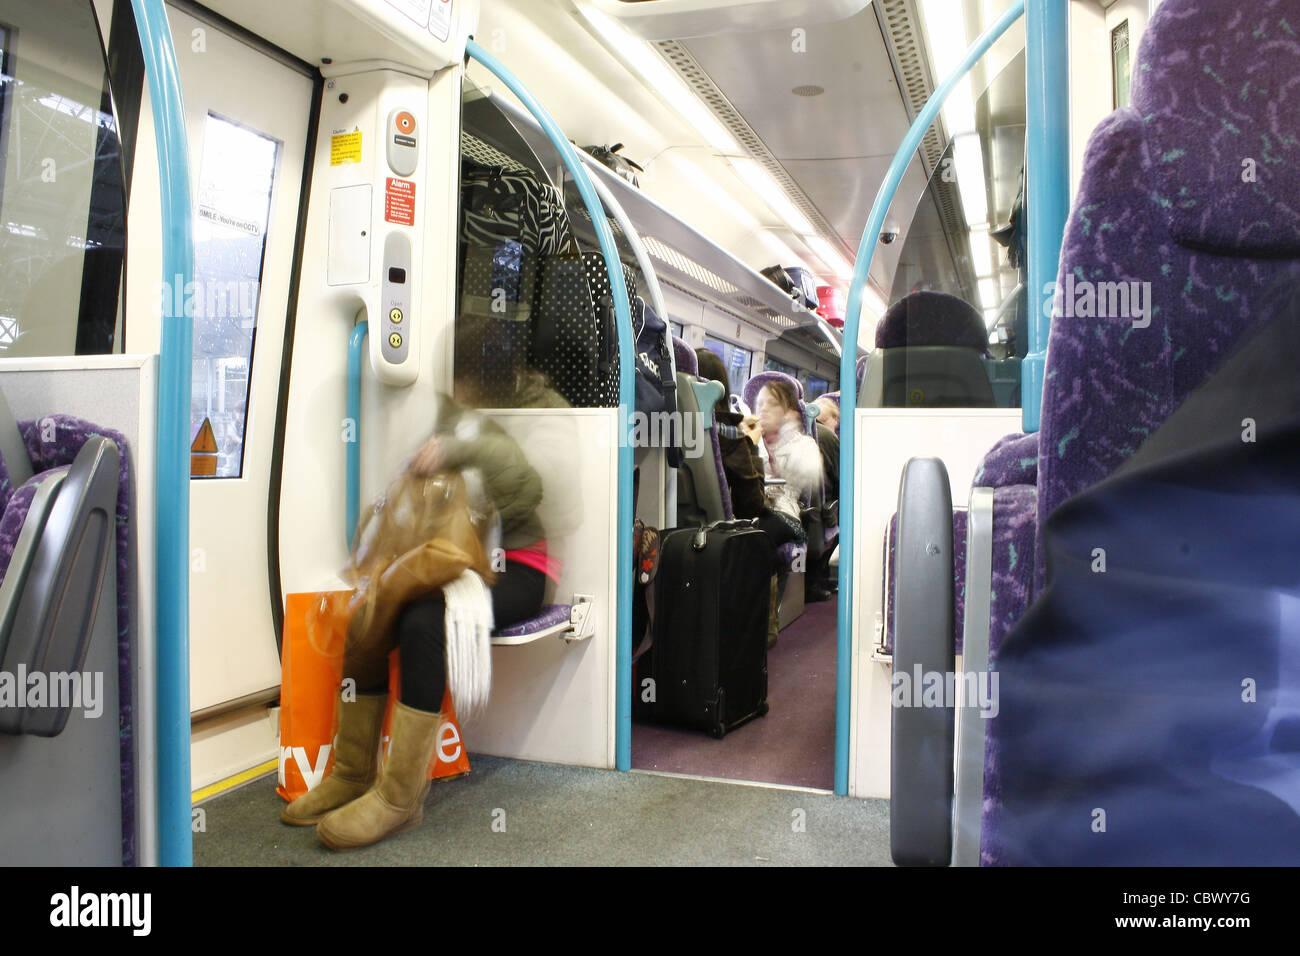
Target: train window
{"x": 737, "y": 361}
{"x": 815, "y": 387}
{"x": 236, "y": 176}
{"x": 1119, "y": 62}
{"x": 63, "y": 205}
{"x": 678, "y": 328}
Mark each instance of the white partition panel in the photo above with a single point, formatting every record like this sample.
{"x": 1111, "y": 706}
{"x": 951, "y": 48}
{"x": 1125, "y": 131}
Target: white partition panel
{"x": 118, "y": 392}
{"x": 553, "y": 701}
{"x": 886, "y": 439}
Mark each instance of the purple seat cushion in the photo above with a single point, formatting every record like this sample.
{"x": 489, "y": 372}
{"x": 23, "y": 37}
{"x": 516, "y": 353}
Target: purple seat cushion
{"x": 6, "y": 485}
{"x": 932, "y": 318}
{"x": 685, "y": 357}
{"x": 54, "y": 441}
{"x": 861, "y": 369}
{"x": 15, "y": 513}
{"x": 755, "y": 385}
{"x": 1012, "y": 461}
{"x": 549, "y": 616}
{"x": 786, "y": 553}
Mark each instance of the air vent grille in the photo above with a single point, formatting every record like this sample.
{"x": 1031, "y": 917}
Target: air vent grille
{"x": 671, "y": 257}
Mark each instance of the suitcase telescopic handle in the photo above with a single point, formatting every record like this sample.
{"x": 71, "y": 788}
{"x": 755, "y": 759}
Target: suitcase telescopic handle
{"x": 731, "y": 524}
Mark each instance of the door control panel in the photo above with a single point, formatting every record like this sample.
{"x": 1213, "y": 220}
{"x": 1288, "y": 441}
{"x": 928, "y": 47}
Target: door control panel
{"x": 395, "y": 299}
{"x": 401, "y": 142}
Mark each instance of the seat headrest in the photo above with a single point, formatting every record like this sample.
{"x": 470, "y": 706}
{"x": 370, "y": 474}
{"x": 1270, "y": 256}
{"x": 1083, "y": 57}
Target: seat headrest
{"x": 1218, "y": 86}
{"x": 862, "y": 370}
{"x": 932, "y": 319}
{"x": 685, "y": 358}
{"x": 755, "y": 385}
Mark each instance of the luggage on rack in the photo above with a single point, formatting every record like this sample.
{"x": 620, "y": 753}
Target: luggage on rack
{"x": 707, "y": 664}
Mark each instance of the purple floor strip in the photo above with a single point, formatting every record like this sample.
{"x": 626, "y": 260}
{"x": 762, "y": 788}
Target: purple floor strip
{"x": 793, "y": 745}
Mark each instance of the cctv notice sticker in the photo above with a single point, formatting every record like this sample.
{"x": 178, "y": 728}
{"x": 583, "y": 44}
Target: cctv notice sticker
{"x": 345, "y": 146}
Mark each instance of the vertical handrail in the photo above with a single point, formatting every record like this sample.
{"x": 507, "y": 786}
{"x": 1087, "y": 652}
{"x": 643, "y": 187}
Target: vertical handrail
{"x": 1047, "y": 190}
{"x": 623, "y": 320}
{"x": 172, "y": 509}
{"x": 848, "y": 372}
{"x": 352, "y": 479}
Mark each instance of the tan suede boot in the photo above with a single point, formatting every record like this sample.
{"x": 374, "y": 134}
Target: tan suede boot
{"x": 396, "y": 802}
{"x": 355, "y": 749}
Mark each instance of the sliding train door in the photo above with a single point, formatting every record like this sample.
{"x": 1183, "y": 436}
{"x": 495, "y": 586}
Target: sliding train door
{"x": 247, "y": 113}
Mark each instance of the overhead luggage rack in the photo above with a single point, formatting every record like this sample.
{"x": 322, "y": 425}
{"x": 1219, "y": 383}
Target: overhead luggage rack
{"x": 685, "y": 258}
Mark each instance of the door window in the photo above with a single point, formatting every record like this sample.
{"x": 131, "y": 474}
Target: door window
{"x": 234, "y": 204}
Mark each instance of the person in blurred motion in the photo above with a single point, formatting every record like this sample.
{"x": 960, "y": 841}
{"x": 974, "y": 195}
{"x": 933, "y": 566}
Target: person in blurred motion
{"x": 356, "y": 806}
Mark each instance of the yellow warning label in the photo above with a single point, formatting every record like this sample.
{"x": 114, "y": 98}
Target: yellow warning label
{"x": 345, "y": 148}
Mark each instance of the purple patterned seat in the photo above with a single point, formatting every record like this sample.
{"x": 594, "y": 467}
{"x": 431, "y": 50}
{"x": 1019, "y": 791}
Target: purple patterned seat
{"x": 53, "y": 442}
{"x": 15, "y": 513}
{"x": 755, "y": 385}
{"x": 1189, "y": 212}
{"x": 684, "y": 355}
{"x": 551, "y": 615}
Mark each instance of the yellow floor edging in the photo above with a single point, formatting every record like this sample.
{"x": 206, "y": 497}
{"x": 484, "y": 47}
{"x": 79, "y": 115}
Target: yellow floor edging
{"x": 222, "y": 785}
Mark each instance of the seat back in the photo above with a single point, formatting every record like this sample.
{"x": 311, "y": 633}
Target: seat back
{"x": 1188, "y": 212}
{"x": 702, "y": 494}
{"x": 930, "y": 351}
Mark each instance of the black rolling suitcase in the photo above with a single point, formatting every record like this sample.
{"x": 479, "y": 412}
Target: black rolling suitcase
{"x": 708, "y": 659}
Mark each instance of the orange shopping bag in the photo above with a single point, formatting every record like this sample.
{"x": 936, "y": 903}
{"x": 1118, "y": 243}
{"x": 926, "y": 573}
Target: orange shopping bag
{"x": 315, "y": 629}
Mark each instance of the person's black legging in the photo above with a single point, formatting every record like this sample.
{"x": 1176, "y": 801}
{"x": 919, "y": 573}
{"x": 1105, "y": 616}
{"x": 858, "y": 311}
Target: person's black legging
{"x": 422, "y": 637}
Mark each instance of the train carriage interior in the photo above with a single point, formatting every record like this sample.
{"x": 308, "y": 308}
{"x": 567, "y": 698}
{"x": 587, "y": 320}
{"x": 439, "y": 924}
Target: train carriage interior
{"x": 885, "y": 402}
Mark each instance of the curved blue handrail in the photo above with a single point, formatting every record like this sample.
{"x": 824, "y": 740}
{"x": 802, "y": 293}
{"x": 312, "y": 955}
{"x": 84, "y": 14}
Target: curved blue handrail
{"x": 626, "y": 397}
{"x": 172, "y": 510}
{"x": 352, "y": 482}
{"x": 848, "y": 372}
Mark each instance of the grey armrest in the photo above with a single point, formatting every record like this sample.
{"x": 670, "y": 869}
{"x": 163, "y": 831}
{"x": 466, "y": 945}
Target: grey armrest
{"x": 51, "y": 592}
{"x": 921, "y": 771}
{"x": 971, "y": 720}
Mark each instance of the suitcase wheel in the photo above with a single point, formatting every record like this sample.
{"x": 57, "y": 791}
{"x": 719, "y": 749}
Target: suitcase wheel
{"x": 763, "y": 709}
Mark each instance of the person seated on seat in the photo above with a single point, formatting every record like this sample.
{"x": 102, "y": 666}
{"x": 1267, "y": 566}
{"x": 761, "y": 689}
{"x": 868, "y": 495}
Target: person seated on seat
{"x": 829, "y": 415}
{"x": 792, "y": 455}
{"x": 740, "y": 439}
{"x": 355, "y": 806}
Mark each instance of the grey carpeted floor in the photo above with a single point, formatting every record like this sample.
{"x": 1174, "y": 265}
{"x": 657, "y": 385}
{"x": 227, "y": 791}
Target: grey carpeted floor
{"x": 569, "y": 816}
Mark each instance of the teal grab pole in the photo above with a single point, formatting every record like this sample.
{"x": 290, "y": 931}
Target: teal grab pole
{"x": 352, "y": 483}
{"x": 1047, "y": 190}
{"x": 172, "y": 513}
{"x": 623, "y": 318}
{"x": 848, "y": 372}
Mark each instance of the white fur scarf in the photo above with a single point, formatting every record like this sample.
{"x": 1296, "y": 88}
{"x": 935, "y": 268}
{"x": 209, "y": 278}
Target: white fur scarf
{"x": 469, "y": 646}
